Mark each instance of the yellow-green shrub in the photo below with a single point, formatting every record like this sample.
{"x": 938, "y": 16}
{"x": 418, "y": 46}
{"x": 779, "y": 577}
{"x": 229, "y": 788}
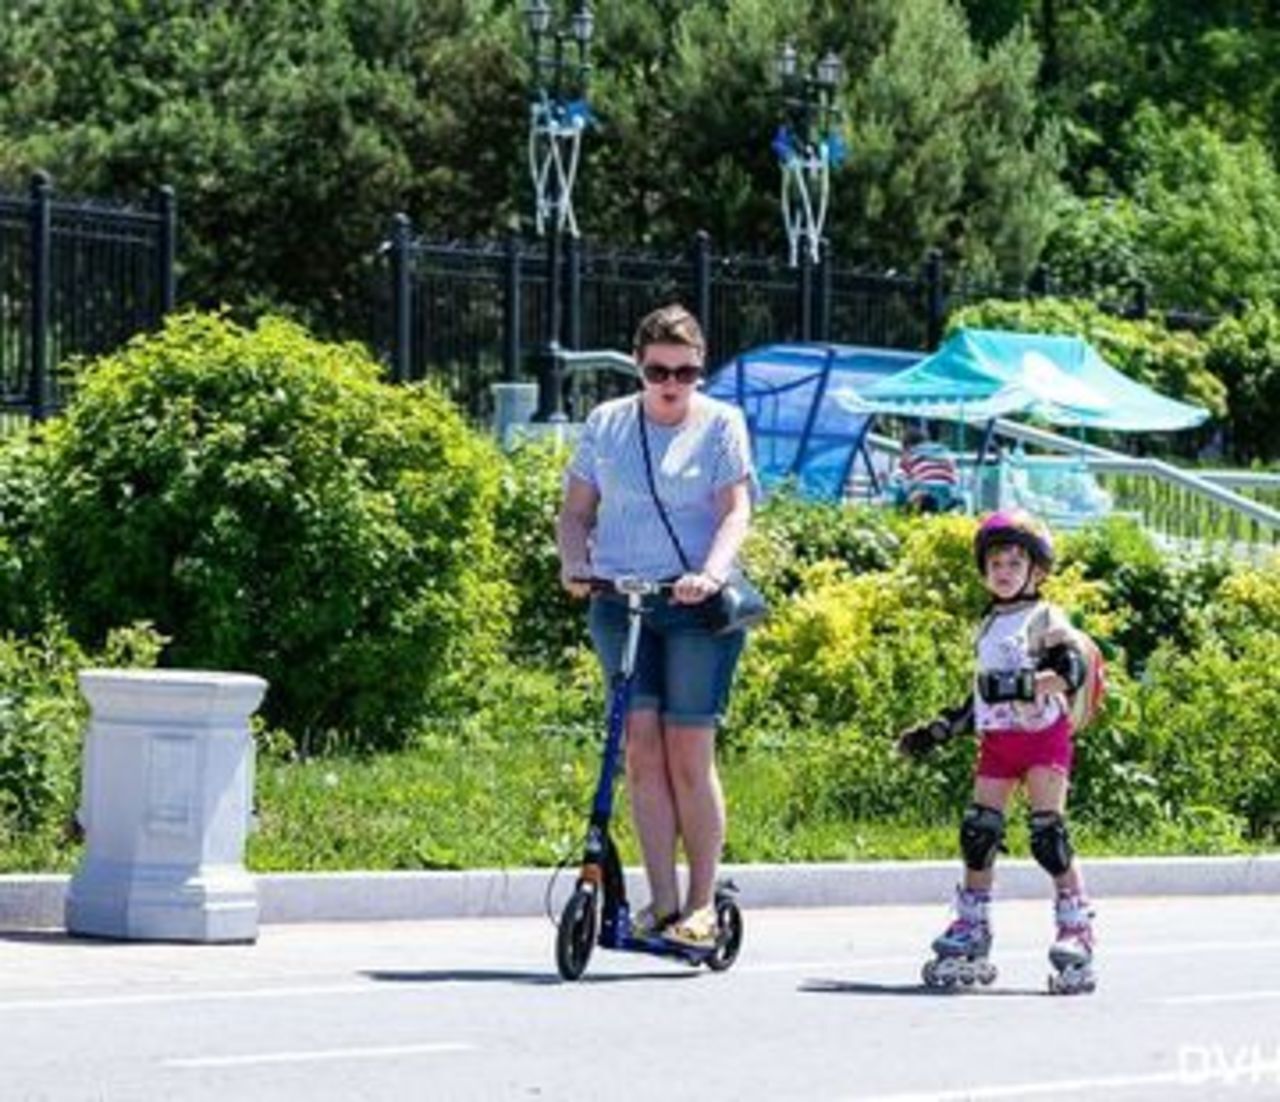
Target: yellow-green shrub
{"x": 272, "y": 506}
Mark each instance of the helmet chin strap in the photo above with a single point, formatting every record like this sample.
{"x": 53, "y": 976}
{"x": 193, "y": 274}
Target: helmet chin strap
{"x": 1016, "y": 599}
{"x": 1028, "y": 592}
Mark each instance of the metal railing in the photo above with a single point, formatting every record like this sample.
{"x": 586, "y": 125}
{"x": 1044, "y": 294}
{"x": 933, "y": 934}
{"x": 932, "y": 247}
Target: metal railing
{"x": 76, "y": 278}
{"x": 1261, "y": 486}
{"x": 595, "y": 376}
{"x": 467, "y": 315}
{"x": 1192, "y": 510}
{"x": 1182, "y": 507}
{"x": 1187, "y": 510}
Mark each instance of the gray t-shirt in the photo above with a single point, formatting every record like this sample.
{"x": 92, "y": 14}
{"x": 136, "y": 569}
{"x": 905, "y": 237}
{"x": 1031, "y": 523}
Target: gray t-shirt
{"x": 692, "y": 461}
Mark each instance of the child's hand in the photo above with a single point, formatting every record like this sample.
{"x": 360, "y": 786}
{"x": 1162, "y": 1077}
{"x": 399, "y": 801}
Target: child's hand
{"x": 1048, "y": 684}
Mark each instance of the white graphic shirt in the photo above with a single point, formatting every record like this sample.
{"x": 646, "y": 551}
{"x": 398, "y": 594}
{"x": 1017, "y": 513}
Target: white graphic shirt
{"x": 1006, "y": 645}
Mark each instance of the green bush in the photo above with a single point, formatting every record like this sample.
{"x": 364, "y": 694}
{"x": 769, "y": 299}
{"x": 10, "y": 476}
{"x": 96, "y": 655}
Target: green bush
{"x": 1246, "y": 605}
{"x": 1209, "y": 720}
{"x": 790, "y": 533}
{"x": 848, "y": 661}
{"x": 272, "y": 507}
{"x": 938, "y": 566}
{"x": 1183, "y": 759}
{"x": 42, "y": 717}
{"x": 1244, "y": 353}
{"x": 22, "y": 494}
{"x": 1153, "y": 596}
{"x": 546, "y": 621}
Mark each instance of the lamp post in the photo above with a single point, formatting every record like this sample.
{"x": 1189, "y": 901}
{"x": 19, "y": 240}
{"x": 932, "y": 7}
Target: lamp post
{"x": 807, "y": 146}
{"x": 558, "y": 115}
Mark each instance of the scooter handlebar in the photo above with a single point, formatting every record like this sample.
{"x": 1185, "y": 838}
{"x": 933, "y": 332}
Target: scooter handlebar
{"x": 627, "y": 586}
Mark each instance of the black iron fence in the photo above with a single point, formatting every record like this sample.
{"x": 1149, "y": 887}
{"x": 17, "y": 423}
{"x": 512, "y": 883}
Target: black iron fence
{"x": 76, "y": 278}
{"x": 81, "y": 277}
{"x": 471, "y": 315}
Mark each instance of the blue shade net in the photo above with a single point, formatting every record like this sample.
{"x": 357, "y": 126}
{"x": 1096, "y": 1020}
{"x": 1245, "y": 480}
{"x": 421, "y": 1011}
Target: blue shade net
{"x": 803, "y": 410}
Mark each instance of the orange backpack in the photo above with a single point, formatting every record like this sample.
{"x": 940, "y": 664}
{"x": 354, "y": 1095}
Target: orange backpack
{"x": 1084, "y": 704}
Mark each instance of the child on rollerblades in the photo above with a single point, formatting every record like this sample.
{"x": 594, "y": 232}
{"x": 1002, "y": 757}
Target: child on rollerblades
{"x": 1028, "y": 661}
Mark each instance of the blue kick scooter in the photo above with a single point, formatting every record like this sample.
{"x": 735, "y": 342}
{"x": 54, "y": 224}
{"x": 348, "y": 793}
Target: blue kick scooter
{"x": 597, "y": 912}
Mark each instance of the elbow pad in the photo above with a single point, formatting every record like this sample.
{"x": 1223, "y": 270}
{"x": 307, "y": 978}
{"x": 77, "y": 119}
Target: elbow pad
{"x": 1067, "y": 661}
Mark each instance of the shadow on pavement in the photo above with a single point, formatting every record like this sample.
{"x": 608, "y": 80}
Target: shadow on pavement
{"x": 855, "y": 987}
{"x": 500, "y": 975}
{"x": 60, "y": 938}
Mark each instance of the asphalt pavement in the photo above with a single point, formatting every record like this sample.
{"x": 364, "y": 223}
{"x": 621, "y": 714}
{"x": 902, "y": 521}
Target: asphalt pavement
{"x": 823, "y": 1004}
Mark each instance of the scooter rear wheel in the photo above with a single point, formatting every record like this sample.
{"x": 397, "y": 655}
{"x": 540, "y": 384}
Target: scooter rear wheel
{"x": 576, "y": 936}
{"x": 728, "y": 935}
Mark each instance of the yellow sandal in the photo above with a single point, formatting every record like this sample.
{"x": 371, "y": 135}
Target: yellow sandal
{"x": 697, "y": 930}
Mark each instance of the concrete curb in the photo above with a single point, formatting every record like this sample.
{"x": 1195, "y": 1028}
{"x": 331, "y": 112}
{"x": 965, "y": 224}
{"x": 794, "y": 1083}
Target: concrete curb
{"x": 37, "y": 901}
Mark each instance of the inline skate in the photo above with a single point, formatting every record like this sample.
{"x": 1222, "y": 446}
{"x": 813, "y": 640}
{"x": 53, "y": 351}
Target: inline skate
{"x": 962, "y": 951}
{"x": 1071, "y": 953}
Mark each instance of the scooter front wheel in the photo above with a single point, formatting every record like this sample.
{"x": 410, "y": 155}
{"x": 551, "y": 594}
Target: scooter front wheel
{"x": 728, "y": 935}
{"x": 576, "y": 936}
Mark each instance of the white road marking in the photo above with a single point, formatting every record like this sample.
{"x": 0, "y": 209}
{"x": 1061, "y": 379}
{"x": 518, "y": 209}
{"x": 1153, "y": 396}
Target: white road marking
{"x": 1164, "y": 949}
{"x": 1223, "y": 997}
{"x": 161, "y": 997}
{"x": 253, "y": 1059}
{"x": 1190, "y": 1079}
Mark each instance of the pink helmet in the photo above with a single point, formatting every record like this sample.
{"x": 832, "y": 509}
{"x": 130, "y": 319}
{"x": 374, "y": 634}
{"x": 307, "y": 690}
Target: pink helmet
{"x": 1014, "y": 526}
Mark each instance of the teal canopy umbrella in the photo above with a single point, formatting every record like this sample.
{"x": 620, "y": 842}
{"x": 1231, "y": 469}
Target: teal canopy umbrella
{"x": 981, "y": 374}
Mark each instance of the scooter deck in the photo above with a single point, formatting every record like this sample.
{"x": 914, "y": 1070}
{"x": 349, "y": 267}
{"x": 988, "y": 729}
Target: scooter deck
{"x": 658, "y": 946}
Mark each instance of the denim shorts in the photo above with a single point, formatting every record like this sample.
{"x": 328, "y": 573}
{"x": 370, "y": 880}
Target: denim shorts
{"x": 682, "y": 671}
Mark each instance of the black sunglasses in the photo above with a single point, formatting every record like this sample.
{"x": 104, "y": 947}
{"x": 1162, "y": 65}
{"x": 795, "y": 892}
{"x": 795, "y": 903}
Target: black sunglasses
{"x": 685, "y": 374}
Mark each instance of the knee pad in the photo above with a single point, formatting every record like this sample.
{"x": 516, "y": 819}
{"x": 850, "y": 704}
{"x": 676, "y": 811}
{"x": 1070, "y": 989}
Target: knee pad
{"x": 1050, "y": 843}
{"x": 981, "y": 833}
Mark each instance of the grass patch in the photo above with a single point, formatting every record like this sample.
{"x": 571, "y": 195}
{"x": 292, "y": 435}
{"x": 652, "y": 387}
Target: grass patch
{"x": 491, "y": 803}
{"x": 465, "y": 801}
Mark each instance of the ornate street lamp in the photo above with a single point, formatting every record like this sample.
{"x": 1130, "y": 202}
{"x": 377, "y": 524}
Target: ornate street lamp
{"x": 558, "y": 116}
{"x": 807, "y": 146}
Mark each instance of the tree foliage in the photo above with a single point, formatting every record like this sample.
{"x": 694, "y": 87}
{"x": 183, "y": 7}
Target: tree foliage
{"x": 290, "y": 131}
{"x": 1244, "y": 352}
{"x": 1209, "y": 214}
{"x": 293, "y": 131}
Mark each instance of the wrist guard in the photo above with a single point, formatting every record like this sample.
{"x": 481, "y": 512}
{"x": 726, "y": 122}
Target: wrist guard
{"x": 1001, "y": 686}
{"x": 919, "y": 741}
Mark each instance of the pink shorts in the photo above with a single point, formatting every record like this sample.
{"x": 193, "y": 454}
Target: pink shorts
{"x": 1007, "y": 755}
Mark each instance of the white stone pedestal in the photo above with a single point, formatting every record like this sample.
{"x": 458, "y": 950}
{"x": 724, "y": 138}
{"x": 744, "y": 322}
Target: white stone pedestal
{"x": 166, "y": 803}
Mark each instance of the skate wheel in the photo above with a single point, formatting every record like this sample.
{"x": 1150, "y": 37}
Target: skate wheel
{"x": 1072, "y": 983}
{"x": 935, "y": 975}
{"x": 945, "y": 976}
{"x": 987, "y": 975}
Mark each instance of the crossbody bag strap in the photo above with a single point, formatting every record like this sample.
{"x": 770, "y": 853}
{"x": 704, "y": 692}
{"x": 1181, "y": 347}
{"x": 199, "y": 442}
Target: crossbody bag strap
{"x": 653, "y": 487}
